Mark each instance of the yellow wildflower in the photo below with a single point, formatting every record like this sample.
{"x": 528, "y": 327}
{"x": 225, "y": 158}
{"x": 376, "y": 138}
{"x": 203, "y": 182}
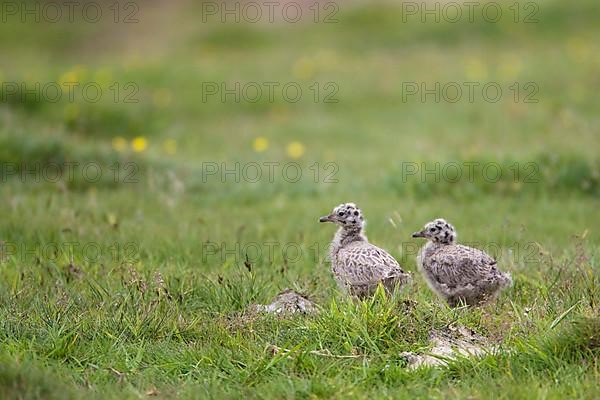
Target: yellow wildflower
{"x": 295, "y": 149}
{"x": 119, "y": 144}
{"x": 139, "y": 144}
{"x": 260, "y": 144}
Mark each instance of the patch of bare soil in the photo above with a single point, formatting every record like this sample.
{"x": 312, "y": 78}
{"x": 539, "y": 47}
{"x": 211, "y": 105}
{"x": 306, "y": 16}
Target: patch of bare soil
{"x": 447, "y": 345}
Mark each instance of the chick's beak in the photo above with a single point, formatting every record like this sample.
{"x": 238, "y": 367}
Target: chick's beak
{"x": 419, "y": 234}
{"x": 326, "y": 218}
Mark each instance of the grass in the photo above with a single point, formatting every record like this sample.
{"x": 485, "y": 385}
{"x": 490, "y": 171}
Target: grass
{"x": 134, "y": 285}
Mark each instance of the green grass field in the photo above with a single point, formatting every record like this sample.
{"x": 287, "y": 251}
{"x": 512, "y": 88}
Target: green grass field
{"x": 127, "y": 221}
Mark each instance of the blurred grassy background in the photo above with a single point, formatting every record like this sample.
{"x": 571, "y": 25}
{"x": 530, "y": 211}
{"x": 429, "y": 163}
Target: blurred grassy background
{"x": 167, "y": 137}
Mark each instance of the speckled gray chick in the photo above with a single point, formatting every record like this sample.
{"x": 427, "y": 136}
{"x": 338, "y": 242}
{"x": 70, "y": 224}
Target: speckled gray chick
{"x": 357, "y": 265}
{"x": 457, "y": 273}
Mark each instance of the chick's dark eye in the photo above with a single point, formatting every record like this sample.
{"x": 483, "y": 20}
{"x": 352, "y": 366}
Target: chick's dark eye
{"x": 341, "y": 214}
{"x": 355, "y": 212}
{"x": 432, "y": 229}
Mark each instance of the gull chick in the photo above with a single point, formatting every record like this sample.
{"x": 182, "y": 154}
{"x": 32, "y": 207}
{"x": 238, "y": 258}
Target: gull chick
{"x": 457, "y": 273}
{"x": 357, "y": 265}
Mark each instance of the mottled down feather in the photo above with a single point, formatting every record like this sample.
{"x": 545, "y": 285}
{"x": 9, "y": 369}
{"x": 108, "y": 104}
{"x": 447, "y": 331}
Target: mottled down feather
{"x": 462, "y": 274}
{"x": 457, "y": 265}
{"x": 361, "y": 263}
